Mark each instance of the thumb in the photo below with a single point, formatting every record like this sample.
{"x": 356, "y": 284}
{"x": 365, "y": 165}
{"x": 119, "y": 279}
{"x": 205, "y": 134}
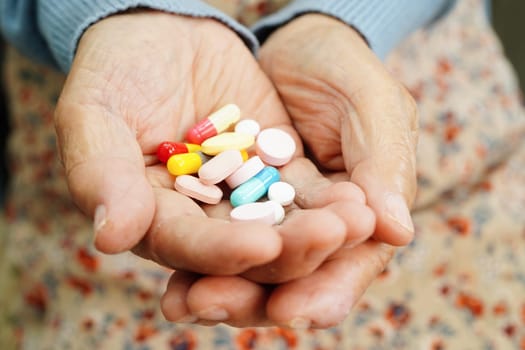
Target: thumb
{"x": 381, "y": 159}
{"x": 105, "y": 173}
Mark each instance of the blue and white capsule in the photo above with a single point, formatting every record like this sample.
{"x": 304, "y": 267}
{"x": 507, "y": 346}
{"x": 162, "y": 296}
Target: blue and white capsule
{"x": 256, "y": 187}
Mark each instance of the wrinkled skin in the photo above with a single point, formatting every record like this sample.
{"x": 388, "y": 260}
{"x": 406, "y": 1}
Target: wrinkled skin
{"x": 350, "y": 112}
{"x": 142, "y": 78}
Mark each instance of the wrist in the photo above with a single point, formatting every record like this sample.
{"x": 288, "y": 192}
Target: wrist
{"x": 315, "y": 27}
{"x": 143, "y": 32}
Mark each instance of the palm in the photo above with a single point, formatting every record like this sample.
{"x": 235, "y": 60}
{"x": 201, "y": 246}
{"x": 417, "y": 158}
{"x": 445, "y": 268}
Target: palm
{"x": 161, "y": 90}
{"x": 129, "y": 90}
{"x": 314, "y": 103}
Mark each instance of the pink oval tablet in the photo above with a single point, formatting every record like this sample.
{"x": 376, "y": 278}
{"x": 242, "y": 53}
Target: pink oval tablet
{"x": 220, "y": 167}
{"x": 274, "y": 146}
{"x": 245, "y": 172}
{"x": 192, "y": 187}
{"x": 254, "y": 212}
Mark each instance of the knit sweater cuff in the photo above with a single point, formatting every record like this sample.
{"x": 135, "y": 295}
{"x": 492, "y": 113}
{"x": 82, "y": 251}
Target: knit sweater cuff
{"x": 383, "y": 23}
{"x": 63, "y": 22}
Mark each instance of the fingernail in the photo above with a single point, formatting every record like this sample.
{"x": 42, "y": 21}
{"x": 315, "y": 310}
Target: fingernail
{"x": 300, "y": 323}
{"x": 398, "y": 211}
{"x": 214, "y": 314}
{"x": 187, "y": 319}
{"x": 100, "y": 218}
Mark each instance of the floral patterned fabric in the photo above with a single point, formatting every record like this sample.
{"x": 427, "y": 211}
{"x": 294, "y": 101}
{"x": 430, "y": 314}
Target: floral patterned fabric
{"x": 459, "y": 285}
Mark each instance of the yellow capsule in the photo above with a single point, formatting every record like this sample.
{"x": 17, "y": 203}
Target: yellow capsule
{"x": 244, "y": 155}
{"x": 193, "y": 147}
{"x": 225, "y": 141}
{"x": 186, "y": 163}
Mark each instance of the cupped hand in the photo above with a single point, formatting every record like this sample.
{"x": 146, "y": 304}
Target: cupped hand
{"x": 142, "y": 78}
{"x": 350, "y": 112}
{"x": 320, "y": 299}
{"x": 360, "y": 124}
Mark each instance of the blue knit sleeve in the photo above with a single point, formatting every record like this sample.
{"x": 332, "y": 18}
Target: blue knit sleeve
{"x": 383, "y": 23}
{"x": 49, "y": 30}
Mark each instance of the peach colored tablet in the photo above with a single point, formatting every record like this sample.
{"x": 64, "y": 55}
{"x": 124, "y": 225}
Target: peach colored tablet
{"x": 245, "y": 172}
{"x": 192, "y": 187}
{"x": 260, "y": 212}
{"x": 274, "y": 146}
{"x": 220, "y": 167}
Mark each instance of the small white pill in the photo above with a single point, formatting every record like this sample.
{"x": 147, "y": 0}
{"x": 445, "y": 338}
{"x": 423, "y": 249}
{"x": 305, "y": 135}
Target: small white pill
{"x": 248, "y": 126}
{"x": 278, "y": 210}
{"x": 254, "y": 212}
{"x": 282, "y": 193}
{"x": 274, "y": 146}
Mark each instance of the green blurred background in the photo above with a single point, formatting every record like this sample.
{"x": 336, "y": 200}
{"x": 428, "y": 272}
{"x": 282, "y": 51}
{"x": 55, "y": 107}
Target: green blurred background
{"x": 508, "y": 17}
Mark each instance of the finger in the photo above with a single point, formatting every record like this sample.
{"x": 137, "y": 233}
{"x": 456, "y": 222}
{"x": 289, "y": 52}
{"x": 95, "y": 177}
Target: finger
{"x": 105, "y": 173}
{"x": 182, "y": 237}
{"x": 374, "y": 119}
{"x": 384, "y": 164}
{"x": 314, "y": 190}
{"x": 173, "y": 302}
{"x": 158, "y": 176}
{"x": 309, "y": 237}
{"x": 229, "y": 299}
{"x": 343, "y": 198}
{"x": 324, "y": 298}
{"x": 212, "y": 299}
{"x": 334, "y": 215}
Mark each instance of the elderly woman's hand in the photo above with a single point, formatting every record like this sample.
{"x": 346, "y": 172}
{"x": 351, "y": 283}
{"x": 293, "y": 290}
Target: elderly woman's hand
{"x": 350, "y": 112}
{"x": 142, "y": 78}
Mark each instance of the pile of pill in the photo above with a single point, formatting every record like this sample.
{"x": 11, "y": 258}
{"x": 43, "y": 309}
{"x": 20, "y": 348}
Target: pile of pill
{"x": 219, "y": 149}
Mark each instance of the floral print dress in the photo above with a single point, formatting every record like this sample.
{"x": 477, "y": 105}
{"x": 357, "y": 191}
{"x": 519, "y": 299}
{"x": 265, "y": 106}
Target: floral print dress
{"x": 459, "y": 285}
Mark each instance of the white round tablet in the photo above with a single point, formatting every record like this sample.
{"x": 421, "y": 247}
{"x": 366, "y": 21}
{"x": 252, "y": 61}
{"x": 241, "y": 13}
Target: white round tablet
{"x": 275, "y": 146}
{"x": 248, "y": 126}
{"x": 278, "y": 210}
{"x": 254, "y": 212}
{"x": 282, "y": 193}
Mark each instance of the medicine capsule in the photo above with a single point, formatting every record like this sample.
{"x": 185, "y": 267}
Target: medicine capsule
{"x": 220, "y": 167}
{"x": 245, "y": 156}
{"x": 256, "y": 187}
{"x": 194, "y": 188}
{"x": 282, "y": 193}
{"x": 275, "y": 146}
{"x": 260, "y": 212}
{"x": 167, "y": 149}
{"x": 248, "y": 126}
{"x": 246, "y": 171}
{"x": 225, "y": 141}
{"x": 214, "y": 124}
{"x": 278, "y": 210}
{"x": 186, "y": 163}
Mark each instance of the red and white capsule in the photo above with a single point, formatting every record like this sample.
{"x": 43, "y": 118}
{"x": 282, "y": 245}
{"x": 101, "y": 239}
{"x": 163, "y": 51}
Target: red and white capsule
{"x": 214, "y": 124}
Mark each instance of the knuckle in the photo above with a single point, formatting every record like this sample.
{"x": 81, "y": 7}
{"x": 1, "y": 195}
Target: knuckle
{"x": 382, "y": 259}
